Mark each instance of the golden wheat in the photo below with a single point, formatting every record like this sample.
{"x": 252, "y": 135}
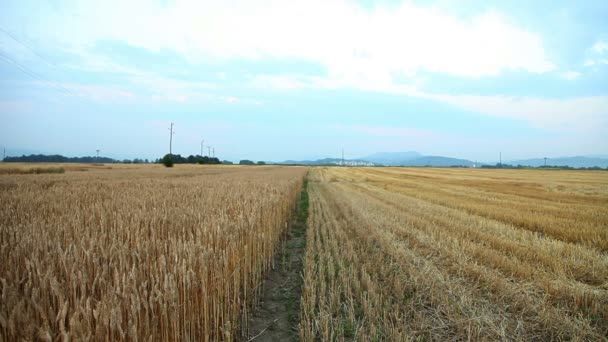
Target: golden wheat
{"x": 138, "y": 252}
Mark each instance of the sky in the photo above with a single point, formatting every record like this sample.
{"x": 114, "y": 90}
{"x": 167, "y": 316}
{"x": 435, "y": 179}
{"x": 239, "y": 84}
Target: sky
{"x": 277, "y": 80}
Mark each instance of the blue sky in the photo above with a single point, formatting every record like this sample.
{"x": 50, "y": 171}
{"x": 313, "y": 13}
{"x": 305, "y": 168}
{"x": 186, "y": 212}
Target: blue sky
{"x": 276, "y": 80}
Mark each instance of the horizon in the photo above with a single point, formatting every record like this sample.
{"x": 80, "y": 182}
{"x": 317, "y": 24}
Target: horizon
{"x": 367, "y": 158}
{"x": 274, "y": 81}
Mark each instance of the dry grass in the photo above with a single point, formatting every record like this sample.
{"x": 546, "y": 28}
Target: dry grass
{"x": 453, "y": 254}
{"x": 138, "y": 252}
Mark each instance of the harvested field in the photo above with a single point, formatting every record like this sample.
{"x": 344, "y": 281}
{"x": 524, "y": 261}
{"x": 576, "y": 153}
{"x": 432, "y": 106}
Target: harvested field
{"x": 456, "y": 254}
{"x": 139, "y": 252}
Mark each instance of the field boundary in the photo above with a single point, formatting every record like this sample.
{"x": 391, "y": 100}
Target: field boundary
{"x": 276, "y": 316}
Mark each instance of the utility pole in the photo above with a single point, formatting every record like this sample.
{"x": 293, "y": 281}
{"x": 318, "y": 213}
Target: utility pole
{"x": 97, "y": 155}
{"x": 171, "y": 140}
{"x": 202, "y": 141}
{"x": 209, "y": 151}
{"x": 214, "y": 152}
{"x": 500, "y": 162}
{"x": 343, "y": 158}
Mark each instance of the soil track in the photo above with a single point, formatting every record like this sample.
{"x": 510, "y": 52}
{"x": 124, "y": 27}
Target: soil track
{"x": 276, "y": 317}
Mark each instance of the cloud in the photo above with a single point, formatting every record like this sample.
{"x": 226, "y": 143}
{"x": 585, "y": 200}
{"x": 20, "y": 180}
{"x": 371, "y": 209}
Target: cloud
{"x": 597, "y": 54}
{"x": 92, "y": 92}
{"x": 577, "y": 113}
{"x": 282, "y": 82}
{"x": 160, "y": 85}
{"x": 290, "y": 82}
{"x": 600, "y": 47}
{"x": 588, "y": 113}
{"x": 384, "y": 131}
{"x": 347, "y": 39}
{"x": 570, "y": 75}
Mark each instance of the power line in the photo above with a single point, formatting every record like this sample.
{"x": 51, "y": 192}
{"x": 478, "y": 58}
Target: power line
{"x": 37, "y": 76}
{"x": 12, "y": 36}
{"x": 40, "y": 78}
{"x": 33, "y": 74}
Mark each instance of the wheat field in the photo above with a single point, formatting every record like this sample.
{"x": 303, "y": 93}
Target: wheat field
{"x": 138, "y": 252}
{"x": 131, "y": 252}
{"x": 397, "y": 254}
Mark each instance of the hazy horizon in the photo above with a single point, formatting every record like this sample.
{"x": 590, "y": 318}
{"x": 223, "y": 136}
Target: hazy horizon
{"x": 299, "y": 80}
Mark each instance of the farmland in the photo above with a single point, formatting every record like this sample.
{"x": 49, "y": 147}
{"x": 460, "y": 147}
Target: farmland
{"x": 456, "y": 254}
{"x": 127, "y": 252}
{"x": 131, "y": 252}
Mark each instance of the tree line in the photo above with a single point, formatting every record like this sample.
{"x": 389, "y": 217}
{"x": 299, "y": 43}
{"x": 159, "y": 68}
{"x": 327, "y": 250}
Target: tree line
{"x": 56, "y": 158}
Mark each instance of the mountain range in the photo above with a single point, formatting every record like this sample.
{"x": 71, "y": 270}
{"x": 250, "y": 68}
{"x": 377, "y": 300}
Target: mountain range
{"x": 413, "y": 158}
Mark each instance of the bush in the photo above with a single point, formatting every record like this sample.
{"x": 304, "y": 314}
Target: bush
{"x": 167, "y": 161}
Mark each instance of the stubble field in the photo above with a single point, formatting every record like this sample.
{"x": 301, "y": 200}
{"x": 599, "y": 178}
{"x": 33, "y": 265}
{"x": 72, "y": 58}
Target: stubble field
{"x": 391, "y": 254}
{"x": 456, "y": 254}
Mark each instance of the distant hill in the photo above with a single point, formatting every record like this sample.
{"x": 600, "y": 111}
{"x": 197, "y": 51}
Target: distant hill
{"x": 412, "y": 158}
{"x": 391, "y": 158}
{"x": 575, "y": 162}
{"x": 329, "y": 161}
{"x": 437, "y": 161}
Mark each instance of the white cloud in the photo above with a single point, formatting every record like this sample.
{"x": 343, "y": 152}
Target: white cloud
{"x": 384, "y": 131}
{"x": 570, "y": 75}
{"x": 282, "y": 82}
{"x": 365, "y": 49}
{"x": 578, "y": 114}
{"x": 600, "y": 47}
{"x": 597, "y": 54}
{"x": 99, "y": 93}
{"x": 588, "y": 113}
{"x": 352, "y": 42}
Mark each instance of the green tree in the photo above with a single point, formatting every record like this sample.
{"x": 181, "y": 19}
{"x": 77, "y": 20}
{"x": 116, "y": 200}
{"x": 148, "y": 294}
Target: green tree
{"x": 167, "y": 160}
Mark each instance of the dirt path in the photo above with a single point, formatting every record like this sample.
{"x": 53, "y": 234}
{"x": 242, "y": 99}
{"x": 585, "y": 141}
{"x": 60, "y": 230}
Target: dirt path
{"x": 276, "y": 317}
